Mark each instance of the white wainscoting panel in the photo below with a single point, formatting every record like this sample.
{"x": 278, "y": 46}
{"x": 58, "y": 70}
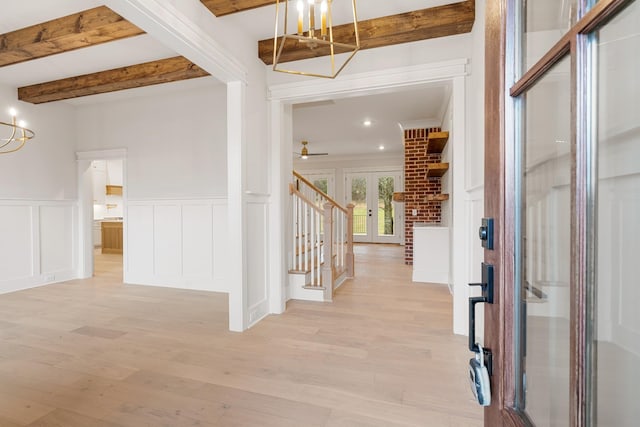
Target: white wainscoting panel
{"x": 177, "y": 243}
{"x": 56, "y": 238}
{"x": 37, "y": 245}
{"x": 16, "y": 246}
{"x": 257, "y": 258}
{"x": 197, "y": 240}
{"x": 167, "y": 241}
{"x": 139, "y": 251}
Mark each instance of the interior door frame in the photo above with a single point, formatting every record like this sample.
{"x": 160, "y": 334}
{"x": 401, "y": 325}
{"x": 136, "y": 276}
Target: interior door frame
{"x": 501, "y": 91}
{"x": 372, "y": 174}
{"x": 85, "y": 207}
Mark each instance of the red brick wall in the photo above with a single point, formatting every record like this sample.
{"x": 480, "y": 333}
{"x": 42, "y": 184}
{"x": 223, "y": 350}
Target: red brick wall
{"x": 417, "y": 185}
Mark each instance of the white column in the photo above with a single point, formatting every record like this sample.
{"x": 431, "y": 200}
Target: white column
{"x": 280, "y": 207}
{"x": 460, "y": 239}
{"x": 237, "y": 239}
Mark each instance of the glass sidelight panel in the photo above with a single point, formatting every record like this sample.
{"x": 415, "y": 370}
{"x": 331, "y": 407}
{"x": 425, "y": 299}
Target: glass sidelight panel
{"x": 618, "y": 222}
{"x": 386, "y": 208}
{"x": 545, "y": 249}
{"x": 359, "y": 199}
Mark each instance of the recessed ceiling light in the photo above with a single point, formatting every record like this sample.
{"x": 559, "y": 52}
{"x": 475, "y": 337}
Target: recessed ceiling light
{"x": 367, "y": 122}
{"x": 381, "y": 147}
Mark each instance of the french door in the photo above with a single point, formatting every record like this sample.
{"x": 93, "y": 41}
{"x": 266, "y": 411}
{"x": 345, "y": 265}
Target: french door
{"x": 562, "y": 182}
{"x": 375, "y": 217}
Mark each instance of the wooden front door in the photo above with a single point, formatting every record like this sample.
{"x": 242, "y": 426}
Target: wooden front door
{"x": 562, "y": 180}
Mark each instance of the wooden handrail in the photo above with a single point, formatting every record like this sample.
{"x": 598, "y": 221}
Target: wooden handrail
{"x": 325, "y": 195}
{"x": 292, "y": 190}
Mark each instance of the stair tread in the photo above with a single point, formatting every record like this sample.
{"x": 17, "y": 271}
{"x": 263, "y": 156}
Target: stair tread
{"x": 294, "y": 271}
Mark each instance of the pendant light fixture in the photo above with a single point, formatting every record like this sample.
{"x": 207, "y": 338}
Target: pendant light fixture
{"x": 17, "y": 133}
{"x": 308, "y": 24}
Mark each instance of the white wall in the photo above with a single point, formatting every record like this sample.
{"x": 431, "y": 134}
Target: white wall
{"x": 175, "y": 142}
{"x": 176, "y": 182}
{"x": 37, "y": 197}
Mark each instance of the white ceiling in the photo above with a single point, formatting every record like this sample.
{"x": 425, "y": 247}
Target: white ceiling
{"x": 259, "y": 22}
{"x": 344, "y": 136}
{"x": 337, "y": 127}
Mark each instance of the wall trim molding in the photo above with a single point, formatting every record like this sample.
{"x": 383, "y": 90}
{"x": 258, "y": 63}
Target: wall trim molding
{"x": 181, "y": 200}
{"x": 369, "y": 82}
{"x": 118, "y": 153}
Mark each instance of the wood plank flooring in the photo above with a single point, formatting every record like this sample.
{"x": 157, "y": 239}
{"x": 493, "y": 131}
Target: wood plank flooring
{"x": 99, "y": 353}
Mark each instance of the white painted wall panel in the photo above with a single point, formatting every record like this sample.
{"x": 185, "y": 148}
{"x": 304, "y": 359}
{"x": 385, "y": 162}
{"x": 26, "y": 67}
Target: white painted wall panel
{"x": 139, "y": 241}
{"x": 37, "y": 244}
{"x": 177, "y": 243}
{"x": 197, "y": 241}
{"x": 167, "y": 243}
{"x": 56, "y": 239}
{"x": 16, "y": 246}
{"x": 256, "y": 251}
{"x": 257, "y": 259}
{"x": 431, "y": 254}
{"x": 220, "y": 246}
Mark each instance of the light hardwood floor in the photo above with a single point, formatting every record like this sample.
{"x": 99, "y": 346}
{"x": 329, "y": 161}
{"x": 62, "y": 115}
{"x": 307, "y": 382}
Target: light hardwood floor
{"x": 98, "y": 353}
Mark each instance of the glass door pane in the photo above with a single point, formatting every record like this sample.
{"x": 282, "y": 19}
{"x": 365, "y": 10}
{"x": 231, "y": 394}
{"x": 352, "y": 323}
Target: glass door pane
{"x": 546, "y": 21}
{"x": 385, "y": 206}
{"x": 358, "y": 187}
{"x": 545, "y": 241}
{"x": 618, "y": 222}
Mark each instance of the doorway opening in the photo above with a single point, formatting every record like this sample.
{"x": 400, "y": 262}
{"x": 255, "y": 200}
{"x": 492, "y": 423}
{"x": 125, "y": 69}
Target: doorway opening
{"x": 102, "y": 214}
{"x": 108, "y": 218}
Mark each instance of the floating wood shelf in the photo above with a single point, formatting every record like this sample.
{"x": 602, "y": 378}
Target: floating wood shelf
{"x": 436, "y": 169}
{"x": 436, "y": 198}
{"x": 398, "y": 197}
{"x": 114, "y": 190}
{"x": 436, "y": 142}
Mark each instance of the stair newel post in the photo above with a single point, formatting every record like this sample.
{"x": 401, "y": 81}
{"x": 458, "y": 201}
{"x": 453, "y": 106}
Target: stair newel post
{"x": 349, "y": 258}
{"x": 327, "y": 247}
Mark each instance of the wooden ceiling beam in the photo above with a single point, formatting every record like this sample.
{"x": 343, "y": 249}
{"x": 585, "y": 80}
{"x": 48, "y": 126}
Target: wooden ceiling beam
{"x": 147, "y": 74}
{"x": 83, "y": 29}
{"x": 407, "y": 27}
{"x": 226, "y": 7}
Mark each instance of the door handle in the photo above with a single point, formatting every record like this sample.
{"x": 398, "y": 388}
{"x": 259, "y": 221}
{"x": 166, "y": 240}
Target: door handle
{"x": 486, "y": 297}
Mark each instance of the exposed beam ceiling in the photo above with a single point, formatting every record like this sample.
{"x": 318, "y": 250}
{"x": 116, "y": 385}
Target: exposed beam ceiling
{"x": 147, "y": 74}
{"x": 100, "y": 25}
{"x": 226, "y": 7}
{"x": 84, "y": 29}
{"x": 422, "y": 24}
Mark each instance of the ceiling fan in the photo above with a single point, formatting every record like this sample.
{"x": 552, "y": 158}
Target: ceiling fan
{"x": 305, "y": 154}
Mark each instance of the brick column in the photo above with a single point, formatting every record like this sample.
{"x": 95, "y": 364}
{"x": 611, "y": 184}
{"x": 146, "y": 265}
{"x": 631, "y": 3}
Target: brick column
{"x": 417, "y": 186}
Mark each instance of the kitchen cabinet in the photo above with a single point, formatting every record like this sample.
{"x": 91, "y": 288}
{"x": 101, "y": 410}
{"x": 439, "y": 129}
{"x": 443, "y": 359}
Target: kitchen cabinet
{"x": 112, "y": 240}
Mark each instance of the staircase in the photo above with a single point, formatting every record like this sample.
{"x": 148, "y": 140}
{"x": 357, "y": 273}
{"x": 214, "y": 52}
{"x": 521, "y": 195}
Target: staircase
{"x": 321, "y": 243}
